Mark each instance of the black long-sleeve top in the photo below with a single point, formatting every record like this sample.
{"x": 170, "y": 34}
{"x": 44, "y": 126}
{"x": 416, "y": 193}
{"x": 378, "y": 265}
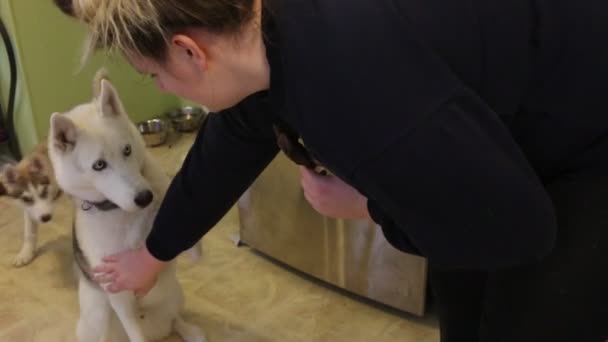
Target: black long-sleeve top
{"x": 449, "y": 116}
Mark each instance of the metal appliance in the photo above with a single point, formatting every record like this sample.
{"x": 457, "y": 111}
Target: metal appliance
{"x": 276, "y": 220}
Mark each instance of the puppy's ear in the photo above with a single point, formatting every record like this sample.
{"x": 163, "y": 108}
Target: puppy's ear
{"x": 10, "y": 176}
{"x": 63, "y": 133}
{"x": 3, "y": 190}
{"x": 36, "y": 165}
{"x": 108, "y": 101}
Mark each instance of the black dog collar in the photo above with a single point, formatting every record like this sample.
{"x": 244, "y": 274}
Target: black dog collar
{"x": 106, "y": 205}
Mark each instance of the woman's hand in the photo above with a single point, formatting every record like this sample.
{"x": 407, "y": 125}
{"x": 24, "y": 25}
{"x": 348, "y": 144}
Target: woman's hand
{"x": 134, "y": 270}
{"x": 330, "y": 196}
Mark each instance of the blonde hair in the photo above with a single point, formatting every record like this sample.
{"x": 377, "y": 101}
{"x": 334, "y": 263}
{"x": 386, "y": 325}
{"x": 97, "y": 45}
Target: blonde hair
{"x": 142, "y": 27}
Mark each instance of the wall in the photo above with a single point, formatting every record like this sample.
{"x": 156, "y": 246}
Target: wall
{"x": 48, "y": 44}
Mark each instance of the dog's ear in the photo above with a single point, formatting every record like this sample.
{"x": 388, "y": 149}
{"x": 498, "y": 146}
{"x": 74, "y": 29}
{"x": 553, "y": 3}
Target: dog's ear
{"x": 36, "y": 165}
{"x": 108, "y": 100}
{"x": 9, "y": 179}
{"x": 101, "y": 74}
{"x": 63, "y": 132}
{"x": 10, "y": 175}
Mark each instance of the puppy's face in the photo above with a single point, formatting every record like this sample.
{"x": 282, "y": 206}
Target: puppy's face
{"x": 30, "y": 184}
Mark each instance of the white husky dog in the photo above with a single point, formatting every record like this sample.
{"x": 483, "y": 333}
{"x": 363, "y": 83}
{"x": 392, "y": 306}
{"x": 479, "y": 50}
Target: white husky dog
{"x": 100, "y": 160}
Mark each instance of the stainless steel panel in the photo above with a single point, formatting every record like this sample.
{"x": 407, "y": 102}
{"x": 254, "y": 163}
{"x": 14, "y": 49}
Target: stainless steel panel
{"x": 277, "y": 220}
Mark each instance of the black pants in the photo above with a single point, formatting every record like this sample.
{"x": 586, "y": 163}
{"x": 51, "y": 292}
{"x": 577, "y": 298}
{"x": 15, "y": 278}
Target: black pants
{"x": 562, "y": 298}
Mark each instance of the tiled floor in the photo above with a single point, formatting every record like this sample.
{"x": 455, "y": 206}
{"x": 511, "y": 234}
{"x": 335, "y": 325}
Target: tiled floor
{"x": 233, "y": 293}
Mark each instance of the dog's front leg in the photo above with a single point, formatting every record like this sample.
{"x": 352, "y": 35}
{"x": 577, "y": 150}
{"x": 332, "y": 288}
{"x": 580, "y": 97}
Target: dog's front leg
{"x": 30, "y": 237}
{"x": 94, "y": 321}
{"x": 125, "y": 306}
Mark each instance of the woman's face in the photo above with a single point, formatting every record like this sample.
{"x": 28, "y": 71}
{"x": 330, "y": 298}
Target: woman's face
{"x": 209, "y": 72}
{"x": 166, "y": 79}
{"x": 175, "y": 78}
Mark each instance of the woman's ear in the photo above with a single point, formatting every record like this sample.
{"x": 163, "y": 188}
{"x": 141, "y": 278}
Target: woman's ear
{"x": 188, "y": 48}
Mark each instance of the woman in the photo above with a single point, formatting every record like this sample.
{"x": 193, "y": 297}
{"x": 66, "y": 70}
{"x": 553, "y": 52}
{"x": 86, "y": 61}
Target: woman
{"x": 475, "y": 133}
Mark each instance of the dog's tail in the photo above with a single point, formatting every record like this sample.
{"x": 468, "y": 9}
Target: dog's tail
{"x": 102, "y": 74}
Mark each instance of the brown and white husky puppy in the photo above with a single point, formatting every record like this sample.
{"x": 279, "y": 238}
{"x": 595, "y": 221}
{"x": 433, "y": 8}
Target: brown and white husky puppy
{"x": 31, "y": 184}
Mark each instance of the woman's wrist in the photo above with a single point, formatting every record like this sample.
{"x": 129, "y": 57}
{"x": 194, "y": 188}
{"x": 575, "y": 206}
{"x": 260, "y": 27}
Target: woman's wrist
{"x": 363, "y": 210}
{"x": 150, "y": 261}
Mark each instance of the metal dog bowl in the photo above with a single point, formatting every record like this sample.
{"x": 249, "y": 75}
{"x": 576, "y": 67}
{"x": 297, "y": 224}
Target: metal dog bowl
{"x": 187, "y": 119}
{"x": 153, "y": 131}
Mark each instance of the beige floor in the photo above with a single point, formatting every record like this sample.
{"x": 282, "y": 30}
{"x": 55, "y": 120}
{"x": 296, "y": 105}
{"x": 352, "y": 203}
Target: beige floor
{"x": 233, "y": 293}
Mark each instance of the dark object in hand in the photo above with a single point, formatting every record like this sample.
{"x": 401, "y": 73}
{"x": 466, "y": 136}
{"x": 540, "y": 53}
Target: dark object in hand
{"x": 295, "y": 151}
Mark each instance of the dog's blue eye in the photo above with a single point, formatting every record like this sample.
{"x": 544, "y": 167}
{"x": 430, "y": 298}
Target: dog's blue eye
{"x": 127, "y": 151}
{"x": 27, "y": 200}
{"x": 100, "y": 165}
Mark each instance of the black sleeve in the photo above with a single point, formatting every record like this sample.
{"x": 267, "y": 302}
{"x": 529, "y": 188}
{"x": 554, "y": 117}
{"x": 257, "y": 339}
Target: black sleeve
{"x": 230, "y": 151}
{"x": 389, "y": 115}
{"x": 459, "y": 191}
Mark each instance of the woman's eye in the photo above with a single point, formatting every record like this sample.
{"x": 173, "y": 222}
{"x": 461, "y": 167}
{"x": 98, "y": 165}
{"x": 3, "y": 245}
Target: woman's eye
{"x": 100, "y": 165}
{"x": 127, "y": 150}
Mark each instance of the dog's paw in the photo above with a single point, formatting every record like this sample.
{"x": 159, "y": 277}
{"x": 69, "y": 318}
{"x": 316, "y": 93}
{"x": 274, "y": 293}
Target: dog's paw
{"x": 23, "y": 258}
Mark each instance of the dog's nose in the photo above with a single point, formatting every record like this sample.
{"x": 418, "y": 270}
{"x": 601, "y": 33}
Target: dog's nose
{"x": 143, "y": 198}
{"x": 45, "y": 218}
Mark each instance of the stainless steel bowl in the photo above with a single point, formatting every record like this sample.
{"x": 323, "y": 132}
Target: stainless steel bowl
{"x": 153, "y": 131}
{"x": 187, "y": 119}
